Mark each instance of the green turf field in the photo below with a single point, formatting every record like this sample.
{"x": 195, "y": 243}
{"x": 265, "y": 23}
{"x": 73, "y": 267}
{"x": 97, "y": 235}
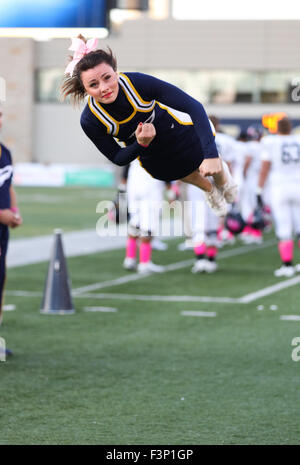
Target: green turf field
{"x": 146, "y": 374}
{"x": 69, "y": 208}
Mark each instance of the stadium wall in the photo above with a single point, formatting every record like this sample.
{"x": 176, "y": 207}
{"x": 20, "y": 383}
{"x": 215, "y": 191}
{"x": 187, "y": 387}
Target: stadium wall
{"x": 50, "y": 133}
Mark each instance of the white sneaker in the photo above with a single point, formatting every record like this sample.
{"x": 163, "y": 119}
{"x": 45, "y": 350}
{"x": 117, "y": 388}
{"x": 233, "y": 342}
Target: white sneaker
{"x": 129, "y": 264}
{"x": 211, "y": 267}
{"x": 250, "y": 239}
{"x": 216, "y": 201}
{"x": 228, "y": 241}
{"x": 204, "y": 266}
{"x": 157, "y": 244}
{"x": 186, "y": 245}
{"x": 230, "y": 188}
{"x": 199, "y": 266}
{"x": 284, "y": 271}
{"x": 225, "y": 238}
{"x": 150, "y": 267}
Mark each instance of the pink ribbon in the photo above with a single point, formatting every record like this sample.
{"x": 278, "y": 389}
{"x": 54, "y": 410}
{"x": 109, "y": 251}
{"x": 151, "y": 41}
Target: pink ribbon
{"x": 81, "y": 49}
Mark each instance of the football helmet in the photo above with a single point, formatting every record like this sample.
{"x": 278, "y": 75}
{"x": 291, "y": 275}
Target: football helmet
{"x": 259, "y": 219}
{"x": 234, "y": 221}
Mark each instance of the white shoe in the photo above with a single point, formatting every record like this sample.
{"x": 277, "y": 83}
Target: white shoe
{"x": 204, "y": 266}
{"x": 230, "y": 188}
{"x": 229, "y": 241}
{"x": 284, "y": 271}
{"x": 199, "y": 266}
{"x": 216, "y": 201}
{"x": 245, "y": 238}
{"x": 129, "y": 264}
{"x": 186, "y": 245}
{"x": 150, "y": 267}
{"x": 211, "y": 267}
{"x": 250, "y": 239}
{"x": 157, "y": 244}
{"x": 225, "y": 238}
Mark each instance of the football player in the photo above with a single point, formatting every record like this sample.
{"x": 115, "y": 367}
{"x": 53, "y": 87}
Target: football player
{"x": 281, "y": 165}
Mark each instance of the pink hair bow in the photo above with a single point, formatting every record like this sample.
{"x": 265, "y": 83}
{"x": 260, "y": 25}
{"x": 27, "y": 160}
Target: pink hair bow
{"x": 81, "y": 49}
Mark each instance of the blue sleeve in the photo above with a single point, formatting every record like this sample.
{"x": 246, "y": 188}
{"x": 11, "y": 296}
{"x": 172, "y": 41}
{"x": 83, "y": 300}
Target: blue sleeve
{"x": 9, "y": 157}
{"x": 170, "y": 95}
{"x": 106, "y": 144}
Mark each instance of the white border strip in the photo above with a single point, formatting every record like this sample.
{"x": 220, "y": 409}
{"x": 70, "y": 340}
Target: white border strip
{"x": 160, "y": 298}
{"x": 269, "y": 290}
{"x": 290, "y": 317}
{"x": 173, "y": 266}
{"x": 83, "y": 292}
{"x": 198, "y": 313}
{"x": 100, "y": 309}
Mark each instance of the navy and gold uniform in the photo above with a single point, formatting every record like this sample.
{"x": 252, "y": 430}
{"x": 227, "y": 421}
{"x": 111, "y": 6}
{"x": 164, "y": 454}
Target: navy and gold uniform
{"x": 6, "y": 171}
{"x": 184, "y": 136}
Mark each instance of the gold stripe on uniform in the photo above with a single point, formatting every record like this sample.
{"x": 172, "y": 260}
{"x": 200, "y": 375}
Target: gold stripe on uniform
{"x": 134, "y": 90}
{"x": 97, "y": 116}
{"x": 168, "y": 109}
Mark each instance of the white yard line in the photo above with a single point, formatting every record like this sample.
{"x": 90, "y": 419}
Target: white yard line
{"x": 100, "y": 309}
{"x": 269, "y": 290}
{"x": 24, "y": 293}
{"x": 290, "y": 317}
{"x": 83, "y": 292}
{"x": 9, "y": 308}
{"x": 198, "y": 313}
{"x": 159, "y": 298}
{"x": 173, "y": 266}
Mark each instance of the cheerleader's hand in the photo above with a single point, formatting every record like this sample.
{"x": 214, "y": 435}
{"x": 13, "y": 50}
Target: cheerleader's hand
{"x": 145, "y": 134}
{"x": 210, "y": 166}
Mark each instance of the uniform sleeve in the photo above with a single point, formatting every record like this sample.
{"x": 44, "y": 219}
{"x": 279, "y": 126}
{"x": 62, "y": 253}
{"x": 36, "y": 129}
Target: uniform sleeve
{"x": 265, "y": 150}
{"x": 106, "y": 144}
{"x": 174, "y": 97}
{"x": 9, "y": 157}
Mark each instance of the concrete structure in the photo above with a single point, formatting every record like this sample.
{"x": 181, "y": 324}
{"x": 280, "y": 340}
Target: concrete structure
{"x": 50, "y": 132}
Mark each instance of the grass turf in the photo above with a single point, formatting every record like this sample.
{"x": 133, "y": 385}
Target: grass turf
{"x": 146, "y": 374}
{"x": 69, "y": 208}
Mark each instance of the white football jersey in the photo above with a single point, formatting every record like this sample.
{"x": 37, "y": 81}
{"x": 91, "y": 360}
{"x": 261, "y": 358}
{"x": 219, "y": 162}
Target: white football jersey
{"x": 284, "y": 154}
{"x": 226, "y": 146}
{"x": 239, "y": 161}
{"x": 145, "y": 195}
{"x": 254, "y": 150}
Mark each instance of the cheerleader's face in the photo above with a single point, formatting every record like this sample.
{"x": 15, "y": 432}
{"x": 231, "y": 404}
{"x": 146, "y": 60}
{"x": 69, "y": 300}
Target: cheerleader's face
{"x": 101, "y": 82}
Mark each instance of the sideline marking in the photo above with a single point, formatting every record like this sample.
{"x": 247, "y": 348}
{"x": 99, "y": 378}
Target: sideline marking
{"x": 290, "y": 317}
{"x": 198, "y": 313}
{"x": 173, "y": 266}
{"x": 161, "y": 298}
{"x": 246, "y": 299}
{"x": 100, "y": 309}
{"x": 9, "y": 308}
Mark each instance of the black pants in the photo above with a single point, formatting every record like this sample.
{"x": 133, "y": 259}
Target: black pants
{"x": 4, "y": 236}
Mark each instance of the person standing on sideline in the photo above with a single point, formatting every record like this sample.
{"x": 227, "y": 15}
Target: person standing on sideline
{"x": 9, "y": 213}
{"x": 281, "y": 165}
{"x": 164, "y": 127}
{"x": 145, "y": 196}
